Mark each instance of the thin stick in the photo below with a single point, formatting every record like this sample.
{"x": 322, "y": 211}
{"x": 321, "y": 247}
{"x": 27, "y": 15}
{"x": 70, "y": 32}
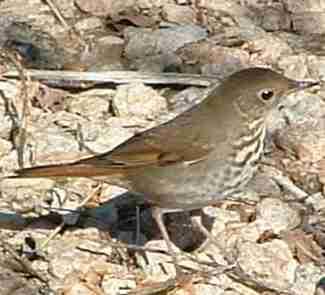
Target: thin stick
{"x": 63, "y": 223}
{"x": 57, "y": 13}
{"x": 25, "y": 264}
{"x": 51, "y": 236}
{"x": 23, "y": 95}
{"x": 118, "y": 77}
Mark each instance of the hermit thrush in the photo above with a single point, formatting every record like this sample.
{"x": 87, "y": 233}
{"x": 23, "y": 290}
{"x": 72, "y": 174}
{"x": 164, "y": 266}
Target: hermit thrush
{"x": 202, "y": 156}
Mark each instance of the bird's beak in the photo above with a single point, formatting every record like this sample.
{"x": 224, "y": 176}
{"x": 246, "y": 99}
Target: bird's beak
{"x": 299, "y": 85}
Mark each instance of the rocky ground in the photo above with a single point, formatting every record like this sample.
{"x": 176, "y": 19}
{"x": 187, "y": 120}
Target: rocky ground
{"x": 60, "y": 236}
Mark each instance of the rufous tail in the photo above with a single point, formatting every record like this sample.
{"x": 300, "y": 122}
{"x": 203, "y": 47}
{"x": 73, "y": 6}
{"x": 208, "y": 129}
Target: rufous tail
{"x": 68, "y": 170}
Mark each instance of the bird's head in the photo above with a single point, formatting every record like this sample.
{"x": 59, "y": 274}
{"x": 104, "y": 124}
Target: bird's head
{"x": 256, "y": 91}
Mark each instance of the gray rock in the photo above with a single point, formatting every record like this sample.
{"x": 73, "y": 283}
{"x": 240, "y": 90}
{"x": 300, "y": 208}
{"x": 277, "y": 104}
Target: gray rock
{"x": 317, "y": 201}
{"x": 279, "y": 215}
{"x": 145, "y": 42}
{"x": 212, "y": 59}
{"x": 269, "y": 264}
{"x": 12, "y": 283}
{"x": 159, "y": 45}
{"x": 47, "y": 143}
{"x": 295, "y": 66}
{"x": 89, "y": 107}
{"x": 106, "y": 55}
{"x": 5, "y": 147}
{"x": 91, "y": 23}
{"x": 300, "y": 108}
{"x": 116, "y": 286}
{"x": 309, "y": 22}
{"x": 306, "y": 278}
{"x": 267, "y": 50}
{"x": 178, "y": 14}
{"x": 300, "y": 128}
{"x": 223, "y": 61}
{"x": 157, "y": 266}
{"x": 270, "y": 15}
{"x": 138, "y": 100}
{"x": 183, "y": 100}
{"x": 297, "y": 6}
{"x": 101, "y": 136}
{"x": 98, "y": 8}
{"x": 231, "y": 21}
{"x": 27, "y": 196}
{"x": 308, "y": 17}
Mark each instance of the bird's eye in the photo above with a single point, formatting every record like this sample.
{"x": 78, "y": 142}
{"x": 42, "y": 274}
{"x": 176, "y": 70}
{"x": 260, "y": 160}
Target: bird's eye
{"x": 266, "y": 94}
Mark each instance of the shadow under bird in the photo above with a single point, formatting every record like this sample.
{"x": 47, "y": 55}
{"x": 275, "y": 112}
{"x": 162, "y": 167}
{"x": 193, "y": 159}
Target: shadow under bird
{"x": 200, "y": 157}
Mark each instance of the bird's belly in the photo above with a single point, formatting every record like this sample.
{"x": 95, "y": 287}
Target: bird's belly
{"x": 189, "y": 187}
{"x": 192, "y": 186}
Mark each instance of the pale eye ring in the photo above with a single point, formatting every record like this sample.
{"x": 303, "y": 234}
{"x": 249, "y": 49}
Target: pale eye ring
{"x": 266, "y": 94}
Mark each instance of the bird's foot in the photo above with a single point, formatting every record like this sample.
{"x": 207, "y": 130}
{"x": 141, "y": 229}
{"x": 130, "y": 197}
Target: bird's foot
{"x": 197, "y": 222}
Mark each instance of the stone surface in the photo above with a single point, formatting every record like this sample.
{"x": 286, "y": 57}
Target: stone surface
{"x": 91, "y": 23}
{"x": 268, "y": 49}
{"x": 258, "y": 231}
{"x": 138, "y": 100}
{"x": 214, "y": 60}
{"x": 88, "y": 107}
{"x": 98, "y": 7}
{"x": 309, "y": 22}
{"x": 270, "y": 263}
{"x": 303, "y": 6}
{"x": 26, "y": 196}
{"x": 278, "y": 215}
{"x": 178, "y": 14}
{"x": 154, "y": 49}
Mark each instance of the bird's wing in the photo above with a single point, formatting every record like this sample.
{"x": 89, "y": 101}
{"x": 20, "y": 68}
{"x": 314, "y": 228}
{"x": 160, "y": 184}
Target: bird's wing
{"x": 173, "y": 142}
{"x": 178, "y": 141}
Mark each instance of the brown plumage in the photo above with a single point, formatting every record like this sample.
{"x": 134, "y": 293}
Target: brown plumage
{"x": 202, "y": 156}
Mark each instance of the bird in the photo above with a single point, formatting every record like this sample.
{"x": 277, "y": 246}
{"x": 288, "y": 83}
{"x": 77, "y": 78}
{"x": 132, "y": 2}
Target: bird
{"x": 204, "y": 155}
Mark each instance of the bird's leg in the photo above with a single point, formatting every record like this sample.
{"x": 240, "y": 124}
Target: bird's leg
{"x": 197, "y": 222}
{"x": 138, "y": 230}
{"x": 157, "y": 214}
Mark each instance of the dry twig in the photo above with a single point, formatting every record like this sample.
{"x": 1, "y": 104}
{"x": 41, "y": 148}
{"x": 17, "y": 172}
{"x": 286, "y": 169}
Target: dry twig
{"x": 119, "y": 77}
